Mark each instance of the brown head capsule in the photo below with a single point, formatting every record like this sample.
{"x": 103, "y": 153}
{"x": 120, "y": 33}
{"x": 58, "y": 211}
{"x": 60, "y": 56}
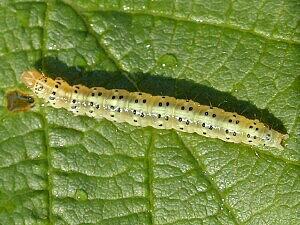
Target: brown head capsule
{"x": 29, "y": 78}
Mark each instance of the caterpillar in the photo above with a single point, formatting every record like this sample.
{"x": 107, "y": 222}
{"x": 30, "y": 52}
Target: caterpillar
{"x": 160, "y": 112}
{"x": 18, "y": 101}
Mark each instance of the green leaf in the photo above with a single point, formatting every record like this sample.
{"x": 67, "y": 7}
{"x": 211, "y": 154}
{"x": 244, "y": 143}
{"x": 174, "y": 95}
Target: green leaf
{"x": 243, "y": 56}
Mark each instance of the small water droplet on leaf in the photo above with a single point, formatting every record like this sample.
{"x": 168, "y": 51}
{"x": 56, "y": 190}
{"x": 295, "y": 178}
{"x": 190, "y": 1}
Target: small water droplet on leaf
{"x": 168, "y": 60}
{"x": 81, "y": 195}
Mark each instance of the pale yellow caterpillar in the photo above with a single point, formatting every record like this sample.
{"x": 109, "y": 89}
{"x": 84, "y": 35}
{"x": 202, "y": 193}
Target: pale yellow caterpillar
{"x": 161, "y": 112}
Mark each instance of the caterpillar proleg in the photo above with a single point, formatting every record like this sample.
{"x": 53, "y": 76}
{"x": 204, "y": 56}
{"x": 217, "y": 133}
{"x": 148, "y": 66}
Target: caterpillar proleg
{"x": 160, "y": 112}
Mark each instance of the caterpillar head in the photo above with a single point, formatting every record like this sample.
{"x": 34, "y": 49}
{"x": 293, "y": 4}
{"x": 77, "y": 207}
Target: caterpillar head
{"x": 29, "y": 78}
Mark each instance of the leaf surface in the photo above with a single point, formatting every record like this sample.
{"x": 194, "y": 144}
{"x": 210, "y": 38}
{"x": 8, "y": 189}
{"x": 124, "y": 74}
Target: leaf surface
{"x": 242, "y": 56}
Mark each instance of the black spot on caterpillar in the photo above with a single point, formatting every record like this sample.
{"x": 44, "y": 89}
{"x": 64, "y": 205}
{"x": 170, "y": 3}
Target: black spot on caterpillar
{"x": 143, "y": 109}
{"x": 18, "y": 101}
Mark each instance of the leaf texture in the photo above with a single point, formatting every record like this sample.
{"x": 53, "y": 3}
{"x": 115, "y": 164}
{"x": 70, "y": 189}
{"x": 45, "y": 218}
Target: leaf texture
{"x": 241, "y": 56}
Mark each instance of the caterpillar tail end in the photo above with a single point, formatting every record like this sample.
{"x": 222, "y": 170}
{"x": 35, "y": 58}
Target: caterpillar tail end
{"x": 284, "y": 138}
{"x": 30, "y": 77}
{"x": 281, "y": 138}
